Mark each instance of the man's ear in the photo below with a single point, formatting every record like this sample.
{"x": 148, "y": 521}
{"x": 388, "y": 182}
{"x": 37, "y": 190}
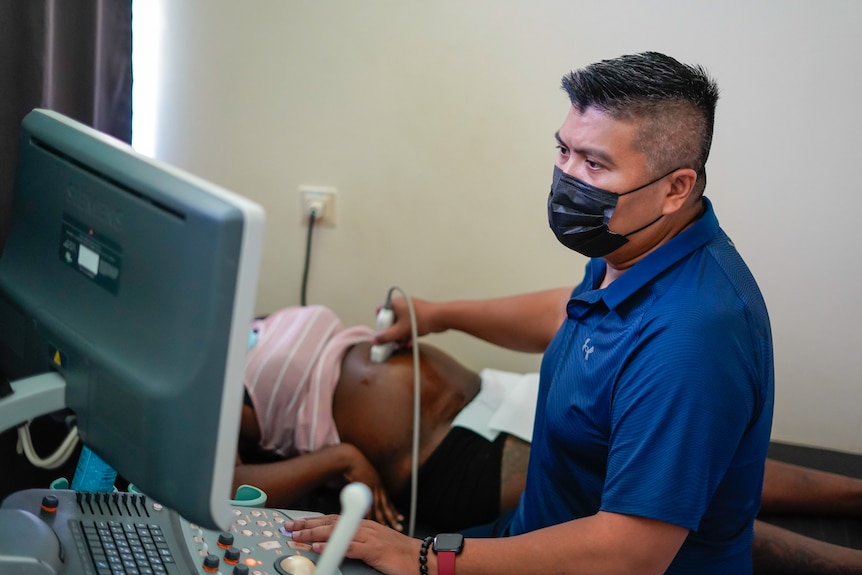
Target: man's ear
{"x": 682, "y": 183}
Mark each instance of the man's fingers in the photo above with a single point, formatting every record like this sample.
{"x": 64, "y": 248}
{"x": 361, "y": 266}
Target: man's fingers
{"x": 306, "y": 523}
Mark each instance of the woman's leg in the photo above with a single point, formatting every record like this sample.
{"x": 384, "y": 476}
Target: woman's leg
{"x": 791, "y": 489}
{"x": 784, "y": 552}
{"x": 513, "y": 472}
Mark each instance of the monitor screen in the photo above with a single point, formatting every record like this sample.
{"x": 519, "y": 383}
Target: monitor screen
{"x": 135, "y": 282}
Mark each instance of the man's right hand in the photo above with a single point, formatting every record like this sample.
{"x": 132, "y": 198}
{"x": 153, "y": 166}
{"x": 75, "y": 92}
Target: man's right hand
{"x": 400, "y": 331}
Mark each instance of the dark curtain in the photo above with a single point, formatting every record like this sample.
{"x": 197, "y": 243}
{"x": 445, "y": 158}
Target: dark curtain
{"x": 72, "y": 56}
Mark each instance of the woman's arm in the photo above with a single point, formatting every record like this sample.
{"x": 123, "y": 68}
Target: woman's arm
{"x": 286, "y": 481}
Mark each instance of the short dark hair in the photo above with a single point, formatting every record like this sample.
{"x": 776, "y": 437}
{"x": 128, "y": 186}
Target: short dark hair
{"x": 674, "y": 103}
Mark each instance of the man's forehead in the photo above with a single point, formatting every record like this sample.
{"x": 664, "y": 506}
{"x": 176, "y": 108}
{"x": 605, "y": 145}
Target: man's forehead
{"x": 597, "y": 133}
{"x": 591, "y": 151}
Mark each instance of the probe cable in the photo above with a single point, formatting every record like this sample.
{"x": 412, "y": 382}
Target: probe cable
{"x": 53, "y": 461}
{"x": 414, "y": 461}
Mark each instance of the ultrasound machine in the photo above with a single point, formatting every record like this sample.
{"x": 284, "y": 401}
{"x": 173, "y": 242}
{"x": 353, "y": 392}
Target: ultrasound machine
{"x": 126, "y": 290}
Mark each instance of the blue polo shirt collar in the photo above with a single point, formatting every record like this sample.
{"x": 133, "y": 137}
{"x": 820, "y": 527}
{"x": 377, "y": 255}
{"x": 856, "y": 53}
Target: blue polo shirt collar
{"x": 691, "y": 239}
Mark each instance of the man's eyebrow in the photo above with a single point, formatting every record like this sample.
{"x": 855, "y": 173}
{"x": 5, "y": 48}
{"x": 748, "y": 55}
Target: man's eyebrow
{"x": 559, "y": 139}
{"x": 589, "y": 152}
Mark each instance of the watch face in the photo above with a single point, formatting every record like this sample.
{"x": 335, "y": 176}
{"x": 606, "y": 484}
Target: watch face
{"x": 448, "y": 542}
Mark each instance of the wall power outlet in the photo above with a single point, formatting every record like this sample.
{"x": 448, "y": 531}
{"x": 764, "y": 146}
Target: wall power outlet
{"x": 322, "y": 201}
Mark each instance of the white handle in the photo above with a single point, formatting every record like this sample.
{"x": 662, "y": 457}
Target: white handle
{"x": 355, "y": 501}
{"x": 382, "y": 351}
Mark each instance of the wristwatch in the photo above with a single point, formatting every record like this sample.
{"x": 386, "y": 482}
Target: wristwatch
{"x": 446, "y": 546}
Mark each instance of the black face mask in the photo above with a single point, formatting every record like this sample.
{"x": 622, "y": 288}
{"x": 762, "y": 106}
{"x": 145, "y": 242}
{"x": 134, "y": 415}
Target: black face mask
{"x": 579, "y": 214}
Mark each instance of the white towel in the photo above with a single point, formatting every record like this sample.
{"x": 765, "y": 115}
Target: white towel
{"x": 506, "y": 403}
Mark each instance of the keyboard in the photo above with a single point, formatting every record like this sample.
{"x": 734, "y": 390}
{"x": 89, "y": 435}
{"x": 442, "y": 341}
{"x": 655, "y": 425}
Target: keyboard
{"x": 121, "y": 548}
{"x": 63, "y": 532}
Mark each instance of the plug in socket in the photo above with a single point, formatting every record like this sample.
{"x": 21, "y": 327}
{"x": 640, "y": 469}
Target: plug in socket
{"x": 320, "y": 199}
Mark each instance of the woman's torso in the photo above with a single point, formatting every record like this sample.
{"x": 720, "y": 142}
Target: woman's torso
{"x": 373, "y": 406}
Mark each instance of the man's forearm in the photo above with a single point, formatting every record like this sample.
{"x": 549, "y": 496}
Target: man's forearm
{"x": 524, "y": 323}
{"x": 605, "y": 543}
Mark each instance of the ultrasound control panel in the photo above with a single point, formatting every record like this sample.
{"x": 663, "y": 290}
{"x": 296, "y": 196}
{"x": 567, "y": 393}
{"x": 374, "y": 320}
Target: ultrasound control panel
{"x": 61, "y": 532}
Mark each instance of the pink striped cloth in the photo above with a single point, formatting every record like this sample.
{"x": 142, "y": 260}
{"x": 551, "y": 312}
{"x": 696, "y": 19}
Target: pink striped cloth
{"x": 291, "y": 374}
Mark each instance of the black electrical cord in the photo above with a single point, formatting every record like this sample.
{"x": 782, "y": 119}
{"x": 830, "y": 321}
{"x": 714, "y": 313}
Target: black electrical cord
{"x": 312, "y": 215}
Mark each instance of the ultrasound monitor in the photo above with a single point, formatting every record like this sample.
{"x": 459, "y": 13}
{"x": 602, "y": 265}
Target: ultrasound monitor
{"x": 132, "y": 284}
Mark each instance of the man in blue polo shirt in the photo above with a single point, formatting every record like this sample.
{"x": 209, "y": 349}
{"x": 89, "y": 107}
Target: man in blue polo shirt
{"x": 656, "y": 389}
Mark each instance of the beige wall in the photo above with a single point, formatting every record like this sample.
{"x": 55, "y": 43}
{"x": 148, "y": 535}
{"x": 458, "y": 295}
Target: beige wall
{"x": 435, "y": 121}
